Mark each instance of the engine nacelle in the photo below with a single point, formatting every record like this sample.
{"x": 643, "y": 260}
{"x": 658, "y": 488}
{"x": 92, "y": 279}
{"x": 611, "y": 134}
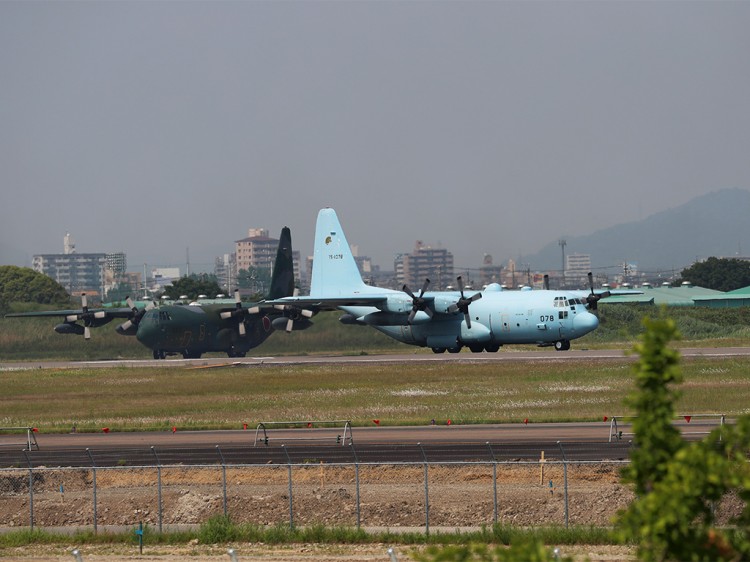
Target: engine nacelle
{"x": 478, "y": 333}
{"x": 393, "y": 319}
{"x": 349, "y": 320}
{"x": 443, "y": 302}
{"x": 398, "y": 303}
{"x": 69, "y": 328}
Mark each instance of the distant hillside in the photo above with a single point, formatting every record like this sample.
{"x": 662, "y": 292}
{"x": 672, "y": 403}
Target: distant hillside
{"x": 711, "y": 225}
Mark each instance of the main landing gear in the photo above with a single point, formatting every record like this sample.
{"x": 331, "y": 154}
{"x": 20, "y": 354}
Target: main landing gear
{"x": 475, "y": 348}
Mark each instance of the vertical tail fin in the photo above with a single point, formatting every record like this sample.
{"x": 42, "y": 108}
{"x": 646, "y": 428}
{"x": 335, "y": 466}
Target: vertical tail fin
{"x": 282, "y": 279}
{"x": 335, "y": 272}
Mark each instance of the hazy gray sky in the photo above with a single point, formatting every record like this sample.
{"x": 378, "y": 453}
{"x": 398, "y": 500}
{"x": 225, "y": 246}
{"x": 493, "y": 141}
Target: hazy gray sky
{"x": 484, "y": 127}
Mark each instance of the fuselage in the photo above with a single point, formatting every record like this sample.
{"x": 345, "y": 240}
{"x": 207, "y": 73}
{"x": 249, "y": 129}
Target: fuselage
{"x": 500, "y": 317}
{"x": 192, "y": 330}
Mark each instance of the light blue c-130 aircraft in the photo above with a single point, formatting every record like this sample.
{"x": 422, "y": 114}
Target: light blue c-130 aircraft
{"x": 442, "y": 320}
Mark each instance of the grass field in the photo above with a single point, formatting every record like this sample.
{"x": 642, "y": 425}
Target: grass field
{"x": 34, "y": 338}
{"x": 159, "y": 398}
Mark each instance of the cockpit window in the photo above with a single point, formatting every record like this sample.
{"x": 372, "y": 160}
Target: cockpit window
{"x": 164, "y": 316}
{"x": 561, "y": 302}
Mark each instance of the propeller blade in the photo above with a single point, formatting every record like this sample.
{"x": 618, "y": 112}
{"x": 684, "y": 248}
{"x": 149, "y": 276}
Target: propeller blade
{"x": 310, "y": 313}
{"x": 463, "y": 303}
{"x": 226, "y": 315}
{"x": 86, "y": 333}
{"x": 546, "y": 282}
{"x": 242, "y": 328}
{"x": 593, "y": 298}
{"x": 289, "y": 326}
{"x": 84, "y": 302}
{"x": 125, "y": 326}
{"x": 418, "y": 302}
{"x": 254, "y": 310}
{"x": 424, "y": 287}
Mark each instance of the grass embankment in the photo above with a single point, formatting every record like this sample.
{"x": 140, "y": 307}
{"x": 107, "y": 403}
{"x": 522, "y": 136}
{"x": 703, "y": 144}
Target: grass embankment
{"x": 221, "y": 530}
{"x": 34, "y": 338}
{"x": 158, "y": 398}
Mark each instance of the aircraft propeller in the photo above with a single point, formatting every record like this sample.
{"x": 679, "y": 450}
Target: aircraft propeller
{"x": 593, "y": 298}
{"x": 137, "y": 315}
{"x": 87, "y": 317}
{"x": 239, "y": 312}
{"x": 293, "y": 313}
{"x": 463, "y": 303}
{"x": 418, "y": 302}
{"x": 546, "y": 282}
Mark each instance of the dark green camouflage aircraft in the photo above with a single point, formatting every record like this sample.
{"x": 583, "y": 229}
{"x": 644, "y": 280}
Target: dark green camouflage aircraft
{"x": 193, "y": 329}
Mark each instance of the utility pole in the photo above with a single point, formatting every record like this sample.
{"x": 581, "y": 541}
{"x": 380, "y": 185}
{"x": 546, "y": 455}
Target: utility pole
{"x": 562, "y": 242}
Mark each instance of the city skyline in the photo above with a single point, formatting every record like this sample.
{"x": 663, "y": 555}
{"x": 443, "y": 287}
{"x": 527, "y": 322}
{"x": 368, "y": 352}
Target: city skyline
{"x": 483, "y": 127}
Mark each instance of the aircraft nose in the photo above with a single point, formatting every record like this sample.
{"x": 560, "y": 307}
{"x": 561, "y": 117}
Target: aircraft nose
{"x": 145, "y": 335}
{"x": 585, "y": 322}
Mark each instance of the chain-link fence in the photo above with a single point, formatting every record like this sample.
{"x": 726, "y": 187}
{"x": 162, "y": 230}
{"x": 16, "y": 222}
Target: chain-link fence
{"x": 390, "y": 495}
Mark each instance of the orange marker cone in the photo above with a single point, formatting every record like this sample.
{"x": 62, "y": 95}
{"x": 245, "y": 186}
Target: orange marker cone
{"x": 174, "y": 429}
{"x": 105, "y": 429}
{"x": 376, "y": 422}
{"x": 688, "y": 418}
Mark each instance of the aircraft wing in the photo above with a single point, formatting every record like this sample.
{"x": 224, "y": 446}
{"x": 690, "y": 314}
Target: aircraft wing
{"x": 105, "y": 312}
{"x": 329, "y": 303}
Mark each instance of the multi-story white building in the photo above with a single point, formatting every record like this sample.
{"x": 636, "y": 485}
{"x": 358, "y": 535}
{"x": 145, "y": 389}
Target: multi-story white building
{"x": 78, "y": 273}
{"x": 259, "y": 250}
{"x": 577, "y": 267}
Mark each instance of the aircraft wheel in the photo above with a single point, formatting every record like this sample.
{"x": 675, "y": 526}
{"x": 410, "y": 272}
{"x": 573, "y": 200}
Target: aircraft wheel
{"x": 438, "y": 350}
{"x": 159, "y": 354}
{"x": 456, "y": 349}
{"x": 492, "y": 347}
{"x": 188, "y": 355}
{"x": 562, "y": 345}
{"x": 476, "y": 348}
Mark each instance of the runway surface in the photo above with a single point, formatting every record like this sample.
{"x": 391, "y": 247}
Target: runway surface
{"x": 547, "y": 354}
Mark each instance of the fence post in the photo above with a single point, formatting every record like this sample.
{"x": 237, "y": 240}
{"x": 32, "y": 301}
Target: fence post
{"x": 93, "y": 472}
{"x": 426, "y": 492}
{"x": 291, "y": 502}
{"x": 356, "y": 481}
{"x": 565, "y": 480}
{"x": 158, "y": 484}
{"x": 31, "y": 490}
{"x": 223, "y": 478}
{"x": 494, "y": 479}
